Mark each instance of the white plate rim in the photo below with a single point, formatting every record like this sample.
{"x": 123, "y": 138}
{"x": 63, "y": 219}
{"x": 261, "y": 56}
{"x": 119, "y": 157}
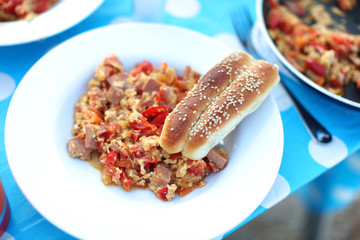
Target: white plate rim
{"x": 23, "y": 179}
{"x": 48, "y": 23}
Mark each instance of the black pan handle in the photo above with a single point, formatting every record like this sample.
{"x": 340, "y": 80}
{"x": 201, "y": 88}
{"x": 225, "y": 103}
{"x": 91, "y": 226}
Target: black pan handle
{"x": 316, "y": 130}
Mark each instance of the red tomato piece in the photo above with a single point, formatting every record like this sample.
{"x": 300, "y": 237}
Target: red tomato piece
{"x": 9, "y": 5}
{"x": 274, "y": 19}
{"x": 114, "y": 63}
{"x": 111, "y": 170}
{"x": 137, "y": 148}
{"x": 159, "y": 120}
{"x": 335, "y": 83}
{"x": 127, "y": 163}
{"x": 272, "y": 3}
{"x": 135, "y": 135}
{"x": 315, "y": 66}
{"x": 162, "y": 193}
{"x": 318, "y": 45}
{"x": 150, "y": 160}
{"x": 125, "y": 180}
{"x": 145, "y": 67}
{"x": 180, "y": 85}
{"x": 154, "y": 111}
{"x": 347, "y": 5}
{"x": 111, "y": 157}
{"x": 197, "y": 168}
{"x": 111, "y": 130}
{"x": 161, "y": 95}
{"x": 20, "y": 11}
{"x": 42, "y": 5}
{"x": 143, "y": 124}
{"x": 340, "y": 40}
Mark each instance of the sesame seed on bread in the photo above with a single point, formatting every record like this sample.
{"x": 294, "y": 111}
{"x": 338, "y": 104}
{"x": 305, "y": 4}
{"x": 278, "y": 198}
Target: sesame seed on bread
{"x": 179, "y": 123}
{"x": 242, "y": 97}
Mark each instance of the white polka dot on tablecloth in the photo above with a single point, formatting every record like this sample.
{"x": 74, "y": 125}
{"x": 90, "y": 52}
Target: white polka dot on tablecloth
{"x": 6, "y": 236}
{"x": 282, "y": 99}
{"x": 7, "y": 84}
{"x": 328, "y": 154}
{"x": 183, "y": 9}
{"x": 344, "y": 194}
{"x": 279, "y": 191}
{"x": 353, "y": 162}
{"x": 229, "y": 40}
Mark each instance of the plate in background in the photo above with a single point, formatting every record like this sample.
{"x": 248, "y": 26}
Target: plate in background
{"x": 63, "y": 15}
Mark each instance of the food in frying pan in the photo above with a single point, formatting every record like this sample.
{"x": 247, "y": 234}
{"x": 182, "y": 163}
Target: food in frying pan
{"x": 313, "y": 43}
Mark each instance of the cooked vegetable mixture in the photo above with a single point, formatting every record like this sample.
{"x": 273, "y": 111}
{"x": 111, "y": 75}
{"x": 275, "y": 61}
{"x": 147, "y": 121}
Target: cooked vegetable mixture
{"x": 327, "y": 56}
{"x": 118, "y": 122}
{"x": 11, "y": 10}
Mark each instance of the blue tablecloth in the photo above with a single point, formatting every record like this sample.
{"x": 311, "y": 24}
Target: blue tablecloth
{"x": 303, "y": 159}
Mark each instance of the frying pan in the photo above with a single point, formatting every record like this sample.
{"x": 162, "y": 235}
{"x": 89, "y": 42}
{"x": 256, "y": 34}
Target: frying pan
{"x": 352, "y": 93}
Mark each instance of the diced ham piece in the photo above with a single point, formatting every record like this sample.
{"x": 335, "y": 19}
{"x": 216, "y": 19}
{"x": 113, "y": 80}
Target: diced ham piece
{"x": 152, "y": 85}
{"x": 161, "y": 175}
{"x": 76, "y": 148}
{"x": 217, "y": 158}
{"x": 115, "y": 146}
{"x": 90, "y": 137}
{"x": 170, "y": 97}
{"x": 120, "y": 77}
{"x": 125, "y": 153}
{"x": 114, "y": 95}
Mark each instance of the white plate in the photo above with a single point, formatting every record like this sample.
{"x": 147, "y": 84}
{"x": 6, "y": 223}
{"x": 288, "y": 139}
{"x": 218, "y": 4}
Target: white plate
{"x": 69, "y": 193}
{"x": 65, "y": 14}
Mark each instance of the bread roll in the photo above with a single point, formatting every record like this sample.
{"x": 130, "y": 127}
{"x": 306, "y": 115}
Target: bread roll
{"x": 210, "y": 86}
{"x": 241, "y": 98}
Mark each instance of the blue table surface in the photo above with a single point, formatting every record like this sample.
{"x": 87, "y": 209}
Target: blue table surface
{"x": 303, "y": 159}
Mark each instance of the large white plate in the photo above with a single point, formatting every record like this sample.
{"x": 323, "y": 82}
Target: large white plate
{"x": 69, "y": 192}
{"x": 65, "y": 14}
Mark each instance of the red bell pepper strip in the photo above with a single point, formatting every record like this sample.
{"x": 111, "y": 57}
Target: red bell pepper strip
{"x": 197, "y": 168}
{"x": 125, "y": 180}
{"x": 274, "y": 19}
{"x": 145, "y": 67}
{"x": 143, "y": 124}
{"x": 154, "y": 111}
{"x": 159, "y": 120}
{"x": 161, "y": 95}
{"x": 42, "y": 5}
{"x": 135, "y": 135}
{"x": 162, "y": 193}
{"x": 315, "y": 67}
{"x": 111, "y": 157}
{"x": 138, "y": 148}
{"x": 150, "y": 160}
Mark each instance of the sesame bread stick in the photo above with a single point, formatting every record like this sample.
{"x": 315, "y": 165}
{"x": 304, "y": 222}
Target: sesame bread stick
{"x": 242, "y": 97}
{"x": 212, "y": 84}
